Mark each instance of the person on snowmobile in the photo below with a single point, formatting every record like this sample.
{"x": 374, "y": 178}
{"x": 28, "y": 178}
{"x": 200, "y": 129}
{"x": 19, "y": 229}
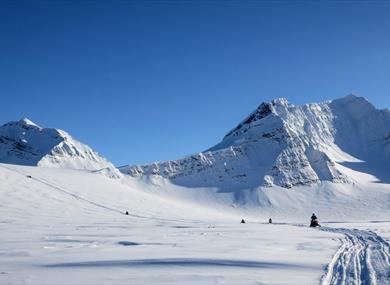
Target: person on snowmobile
{"x": 314, "y": 221}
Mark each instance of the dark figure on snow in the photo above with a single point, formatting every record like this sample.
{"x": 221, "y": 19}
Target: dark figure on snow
{"x": 314, "y": 221}
{"x": 270, "y": 221}
{"x": 126, "y": 213}
{"x": 242, "y": 221}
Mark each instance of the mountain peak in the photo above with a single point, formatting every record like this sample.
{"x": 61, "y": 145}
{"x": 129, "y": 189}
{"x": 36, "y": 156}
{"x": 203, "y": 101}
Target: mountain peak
{"x": 280, "y": 101}
{"x": 351, "y": 96}
{"x": 355, "y": 106}
{"x": 24, "y": 142}
{"x": 24, "y": 123}
{"x": 352, "y": 99}
{"x": 28, "y": 122}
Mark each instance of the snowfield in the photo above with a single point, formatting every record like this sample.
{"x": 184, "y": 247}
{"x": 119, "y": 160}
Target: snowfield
{"x": 68, "y": 227}
{"x": 62, "y": 205}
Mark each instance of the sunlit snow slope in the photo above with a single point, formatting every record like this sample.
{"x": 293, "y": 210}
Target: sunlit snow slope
{"x": 65, "y": 226}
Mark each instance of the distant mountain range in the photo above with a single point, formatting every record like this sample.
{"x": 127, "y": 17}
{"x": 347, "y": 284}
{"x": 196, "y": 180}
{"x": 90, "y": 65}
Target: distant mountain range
{"x": 278, "y": 144}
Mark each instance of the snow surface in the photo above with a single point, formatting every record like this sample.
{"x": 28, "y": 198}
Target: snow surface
{"x": 68, "y": 227}
{"x": 363, "y": 258}
{"x": 63, "y": 226}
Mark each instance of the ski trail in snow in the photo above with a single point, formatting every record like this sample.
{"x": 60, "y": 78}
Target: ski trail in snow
{"x": 362, "y": 259}
{"x": 61, "y": 189}
{"x": 80, "y": 198}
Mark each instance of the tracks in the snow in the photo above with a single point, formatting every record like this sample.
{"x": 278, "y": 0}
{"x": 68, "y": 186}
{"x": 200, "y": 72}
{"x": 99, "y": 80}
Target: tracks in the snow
{"x": 77, "y": 196}
{"x": 362, "y": 259}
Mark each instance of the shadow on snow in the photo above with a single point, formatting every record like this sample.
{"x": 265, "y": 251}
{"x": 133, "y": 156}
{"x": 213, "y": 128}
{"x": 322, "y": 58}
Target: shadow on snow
{"x": 187, "y": 262}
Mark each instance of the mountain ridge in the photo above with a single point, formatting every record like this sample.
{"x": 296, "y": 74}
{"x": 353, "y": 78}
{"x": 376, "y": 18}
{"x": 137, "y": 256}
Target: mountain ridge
{"x": 284, "y": 145}
{"x": 278, "y": 144}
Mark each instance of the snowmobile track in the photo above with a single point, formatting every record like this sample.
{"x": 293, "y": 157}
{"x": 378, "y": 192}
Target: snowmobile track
{"x": 79, "y": 197}
{"x": 362, "y": 259}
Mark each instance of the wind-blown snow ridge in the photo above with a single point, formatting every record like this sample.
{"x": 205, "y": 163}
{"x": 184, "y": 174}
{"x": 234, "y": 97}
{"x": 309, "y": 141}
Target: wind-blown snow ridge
{"x": 24, "y": 142}
{"x": 287, "y": 145}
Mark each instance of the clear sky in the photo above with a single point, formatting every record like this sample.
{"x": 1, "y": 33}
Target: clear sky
{"x": 141, "y": 81}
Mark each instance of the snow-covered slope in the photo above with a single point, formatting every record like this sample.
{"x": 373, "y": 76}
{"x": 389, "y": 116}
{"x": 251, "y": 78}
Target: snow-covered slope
{"x": 62, "y": 226}
{"x": 286, "y": 145}
{"x": 23, "y": 142}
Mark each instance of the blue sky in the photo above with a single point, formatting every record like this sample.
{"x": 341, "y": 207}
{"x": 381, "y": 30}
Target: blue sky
{"x": 141, "y": 81}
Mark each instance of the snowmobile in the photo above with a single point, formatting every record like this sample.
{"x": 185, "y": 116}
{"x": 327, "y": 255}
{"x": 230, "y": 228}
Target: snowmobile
{"x": 314, "y": 223}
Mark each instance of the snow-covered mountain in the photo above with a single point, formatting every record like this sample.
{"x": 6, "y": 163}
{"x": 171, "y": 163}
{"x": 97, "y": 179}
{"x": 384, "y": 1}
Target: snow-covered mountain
{"x": 71, "y": 223}
{"x": 286, "y": 145}
{"x": 23, "y": 142}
